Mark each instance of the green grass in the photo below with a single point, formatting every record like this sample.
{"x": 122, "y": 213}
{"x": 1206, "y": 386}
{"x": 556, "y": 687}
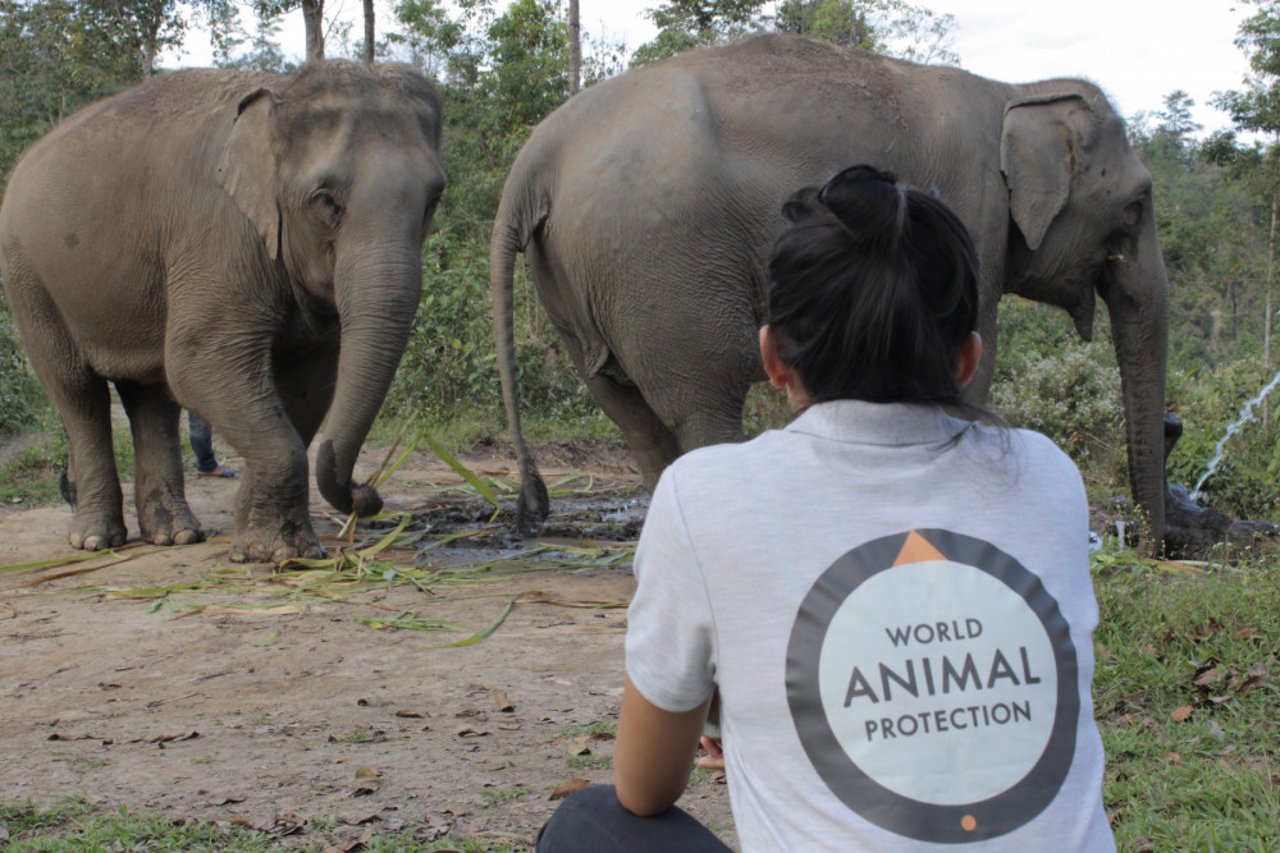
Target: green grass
{"x": 505, "y": 795}
{"x": 31, "y": 477}
{"x": 1187, "y": 693}
{"x": 76, "y": 827}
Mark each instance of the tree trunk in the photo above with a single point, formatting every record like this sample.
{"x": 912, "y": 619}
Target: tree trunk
{"x": 368, "y": 32}
{"x": 575, "y": 49}
{"x": 313, "y": 19}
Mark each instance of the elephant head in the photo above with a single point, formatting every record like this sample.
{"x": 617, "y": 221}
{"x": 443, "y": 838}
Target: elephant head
{"x": 1081, "y": 203}
{"x": 339, "y": 174}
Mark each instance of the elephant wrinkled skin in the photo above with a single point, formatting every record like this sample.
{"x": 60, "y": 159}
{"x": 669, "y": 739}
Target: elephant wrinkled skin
{"x": 244, "y": 245}
{"x": 647, "y": 206}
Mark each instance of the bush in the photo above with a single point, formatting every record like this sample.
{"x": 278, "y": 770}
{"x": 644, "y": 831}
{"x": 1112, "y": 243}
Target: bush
{"x": 20, "y": 394}
{"x": 450, "y": 365}
{"x": 1070, "y": 395}
{"x": 1210, "y": 399}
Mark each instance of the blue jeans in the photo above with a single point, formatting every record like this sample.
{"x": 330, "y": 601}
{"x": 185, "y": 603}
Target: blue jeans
{"x": 593, "y": 820}
{"x": 201, "y": 435}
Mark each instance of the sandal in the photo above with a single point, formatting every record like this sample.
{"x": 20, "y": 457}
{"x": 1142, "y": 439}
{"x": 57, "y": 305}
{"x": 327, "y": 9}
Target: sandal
{"x": 220, "y": 471}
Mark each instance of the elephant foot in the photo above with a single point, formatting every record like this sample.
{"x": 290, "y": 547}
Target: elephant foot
{"x": 93, "y": 532}
{"x": 164, "y": 526}
{"x": 256, "y": 546}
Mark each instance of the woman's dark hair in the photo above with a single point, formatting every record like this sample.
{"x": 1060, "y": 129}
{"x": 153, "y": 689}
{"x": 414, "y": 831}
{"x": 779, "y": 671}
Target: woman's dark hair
{"x": 873, "y": 290}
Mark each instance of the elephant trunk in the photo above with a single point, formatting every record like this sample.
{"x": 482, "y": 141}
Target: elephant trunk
{"x": 1137, "y": 297}
{"x": 377, "y": 296}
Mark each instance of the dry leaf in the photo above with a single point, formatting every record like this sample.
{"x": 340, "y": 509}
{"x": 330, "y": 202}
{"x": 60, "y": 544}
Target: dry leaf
{"x": 501, "y": 703}
{"x": 470, "y": 732}
{"x": 1209, "y": 676}
{"x": 564, "y": 789}
{"x": 1249, "y": 683}
{"x": 575, "y": 751}
{"x": 1173, "y": 757}
{"x": 368, "y": 781}
{"x": 1181, "y": 713}
{"x": 226, "y": 801}
{"x": 414, "y": 715}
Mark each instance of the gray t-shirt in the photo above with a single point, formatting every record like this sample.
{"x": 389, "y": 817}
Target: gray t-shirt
{"x": 896, "y": 608}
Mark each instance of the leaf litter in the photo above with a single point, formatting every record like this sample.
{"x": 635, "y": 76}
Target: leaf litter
{"x": 450, "y": 551}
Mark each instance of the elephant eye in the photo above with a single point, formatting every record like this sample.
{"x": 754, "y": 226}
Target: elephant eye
{"x": 327, "y": 206}
{"x": 1132, "y": 214}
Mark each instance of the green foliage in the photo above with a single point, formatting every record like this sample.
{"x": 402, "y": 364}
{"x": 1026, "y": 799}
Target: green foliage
{"x": 1244, "y": 485}
{"x": 20, "y": 395}
{"x": 1050, "y": 381}
{"x": 893, "y": 27}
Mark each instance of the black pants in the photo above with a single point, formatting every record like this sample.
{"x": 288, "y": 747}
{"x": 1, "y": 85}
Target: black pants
{"x": 593, "y": 820}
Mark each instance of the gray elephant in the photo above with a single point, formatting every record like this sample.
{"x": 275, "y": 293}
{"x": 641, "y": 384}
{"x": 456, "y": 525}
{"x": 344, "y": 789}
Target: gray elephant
{"x": 244, "y": 245}
{"x": 647, "y": 205}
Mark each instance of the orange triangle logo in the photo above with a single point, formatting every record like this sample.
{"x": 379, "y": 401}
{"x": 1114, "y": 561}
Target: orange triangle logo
{"x": 917, "y": 549}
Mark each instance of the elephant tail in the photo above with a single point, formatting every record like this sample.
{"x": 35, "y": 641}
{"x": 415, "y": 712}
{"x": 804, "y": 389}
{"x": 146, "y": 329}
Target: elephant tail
{"x": 512, "y": 230}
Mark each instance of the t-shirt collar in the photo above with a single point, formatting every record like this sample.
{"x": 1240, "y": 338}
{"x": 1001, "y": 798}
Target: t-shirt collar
{"x": 890, "y": 424}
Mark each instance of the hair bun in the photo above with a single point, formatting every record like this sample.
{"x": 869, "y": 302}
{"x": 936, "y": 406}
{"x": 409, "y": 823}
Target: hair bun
{"x": 869, "y": 202}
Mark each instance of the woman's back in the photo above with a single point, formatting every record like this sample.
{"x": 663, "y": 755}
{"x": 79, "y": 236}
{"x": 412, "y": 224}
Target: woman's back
{"x": 895, "y": 608}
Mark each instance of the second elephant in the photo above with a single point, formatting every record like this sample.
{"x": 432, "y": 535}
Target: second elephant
{"x": 648, "y": 204}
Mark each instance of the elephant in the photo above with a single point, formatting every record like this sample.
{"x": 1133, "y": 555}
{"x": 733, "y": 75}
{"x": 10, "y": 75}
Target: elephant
{"x": 646, "y": 207}
{"x": 244, "y": 245}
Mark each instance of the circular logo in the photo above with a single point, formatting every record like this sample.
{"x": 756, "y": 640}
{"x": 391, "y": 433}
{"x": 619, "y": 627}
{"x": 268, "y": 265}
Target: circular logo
{"x": 933, "y": 684}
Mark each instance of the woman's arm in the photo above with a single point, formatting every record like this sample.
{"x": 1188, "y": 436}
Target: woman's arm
{"x": 654, "y": 752}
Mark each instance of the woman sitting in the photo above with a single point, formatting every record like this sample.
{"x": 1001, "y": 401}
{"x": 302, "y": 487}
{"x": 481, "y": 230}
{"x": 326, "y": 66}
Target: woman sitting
{"x": 892, "y": 603}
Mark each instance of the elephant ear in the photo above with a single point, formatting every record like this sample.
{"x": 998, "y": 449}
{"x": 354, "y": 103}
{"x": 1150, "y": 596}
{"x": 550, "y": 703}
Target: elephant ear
{"x": 247, "y": 170}
{"x": 1038, "y": 148}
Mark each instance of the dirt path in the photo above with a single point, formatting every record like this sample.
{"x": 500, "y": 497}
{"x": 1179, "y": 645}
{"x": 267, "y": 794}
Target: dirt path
{"x": 247, "y": 698}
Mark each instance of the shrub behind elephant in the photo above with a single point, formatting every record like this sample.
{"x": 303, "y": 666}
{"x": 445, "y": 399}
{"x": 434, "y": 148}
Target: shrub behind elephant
{"x": 243, "y": 245}
{"x": 647, "y": 205}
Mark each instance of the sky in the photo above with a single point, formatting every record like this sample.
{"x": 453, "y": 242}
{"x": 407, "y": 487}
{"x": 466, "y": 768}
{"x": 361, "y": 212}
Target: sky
{"x": 1138, "y": 51}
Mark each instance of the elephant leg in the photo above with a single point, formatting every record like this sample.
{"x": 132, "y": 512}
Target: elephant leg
{"x": 163, "y": 513}
{"x": 90, "y": 482}
{"x": 711, "y": 426}
{"x": 305, "y": 383}
{"x": 652, "y": 445}
{"x": 85, "y": 407}
{"x": 227, "y": 379}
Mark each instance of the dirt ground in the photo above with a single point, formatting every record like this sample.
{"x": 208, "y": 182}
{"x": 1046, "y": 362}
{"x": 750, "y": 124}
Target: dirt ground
{"x": 247, "y": 699}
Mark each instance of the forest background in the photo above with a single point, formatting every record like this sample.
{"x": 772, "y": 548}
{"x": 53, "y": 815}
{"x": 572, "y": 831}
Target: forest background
{"x": 503, "y": 70}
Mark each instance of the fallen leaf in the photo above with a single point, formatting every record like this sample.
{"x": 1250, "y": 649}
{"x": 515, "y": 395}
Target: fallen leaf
{"x": 414, "y": 715}
{"x": 1209, "y": 676}
{"x": 368, "y": 781}
{"x": 500, "y": 702}
{"x": 470, "y": 732}
{"x": 564, "y": 789}
{"x": 1181, "y": 714}
{"x": 575, "y": 751}
{"x": 226, "y": 801}
{"x": 1173, "y": 757}
{"x": 218, "y": 610}
{"x": 162, "y": 739}
{"x": 1249, "y": 683}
